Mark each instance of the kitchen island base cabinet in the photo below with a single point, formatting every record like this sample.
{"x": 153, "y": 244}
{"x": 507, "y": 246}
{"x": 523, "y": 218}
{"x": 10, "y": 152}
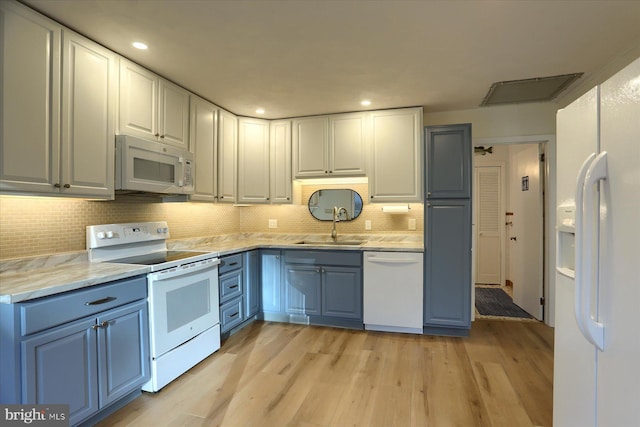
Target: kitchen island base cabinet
{"x": 89, "y": 361}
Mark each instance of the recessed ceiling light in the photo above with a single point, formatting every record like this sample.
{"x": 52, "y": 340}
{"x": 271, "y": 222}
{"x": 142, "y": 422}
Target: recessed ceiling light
{"x": 260, "y": 111}
{"x": 140, "y": 45}
{"x": 365, "y": 102}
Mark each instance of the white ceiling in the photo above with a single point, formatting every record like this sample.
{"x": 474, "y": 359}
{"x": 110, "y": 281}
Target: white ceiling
{"x": 306, "y": 57}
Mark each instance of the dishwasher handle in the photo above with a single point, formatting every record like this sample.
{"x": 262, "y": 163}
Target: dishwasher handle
{"x": 382, "y": 260}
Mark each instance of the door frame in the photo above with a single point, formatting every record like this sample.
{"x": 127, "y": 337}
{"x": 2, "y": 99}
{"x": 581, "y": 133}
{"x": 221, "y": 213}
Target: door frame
{"x": 502, "y": 166}
{"x": 549, "y": 211}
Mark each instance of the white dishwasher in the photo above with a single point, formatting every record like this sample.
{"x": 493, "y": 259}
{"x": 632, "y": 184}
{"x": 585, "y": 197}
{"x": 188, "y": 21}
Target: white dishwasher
{"x": 393, "y": 291}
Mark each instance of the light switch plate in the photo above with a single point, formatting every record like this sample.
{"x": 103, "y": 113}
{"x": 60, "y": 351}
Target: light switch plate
{"x": 412, "y": 223}
{"x": 367, "y": 224}
{"x": 273, "y": 223}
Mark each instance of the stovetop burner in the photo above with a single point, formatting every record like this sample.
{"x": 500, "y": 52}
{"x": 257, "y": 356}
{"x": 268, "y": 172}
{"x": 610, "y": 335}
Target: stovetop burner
{"x": 159, "y": 257}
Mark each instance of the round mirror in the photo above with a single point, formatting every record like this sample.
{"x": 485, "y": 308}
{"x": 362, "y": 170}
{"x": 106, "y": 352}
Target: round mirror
{"x": 323, "y": 202}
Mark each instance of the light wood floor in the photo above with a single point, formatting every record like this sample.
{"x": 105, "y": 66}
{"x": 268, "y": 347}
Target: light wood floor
{"x": 273, "y": 374}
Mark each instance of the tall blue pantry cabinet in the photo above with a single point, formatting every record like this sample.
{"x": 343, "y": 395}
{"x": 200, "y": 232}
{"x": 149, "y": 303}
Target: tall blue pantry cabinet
{"x": 447, "y": 296}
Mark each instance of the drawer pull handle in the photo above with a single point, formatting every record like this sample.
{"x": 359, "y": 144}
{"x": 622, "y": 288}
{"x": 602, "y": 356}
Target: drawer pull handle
{"x": 233, "y": 287}
{"x": 233, "y": 263}
{"x": 101, "y": 301}
{"x": 234, "y": 314}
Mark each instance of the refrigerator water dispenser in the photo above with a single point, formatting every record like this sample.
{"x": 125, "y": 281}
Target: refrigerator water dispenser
{"x": 566, "y": 240}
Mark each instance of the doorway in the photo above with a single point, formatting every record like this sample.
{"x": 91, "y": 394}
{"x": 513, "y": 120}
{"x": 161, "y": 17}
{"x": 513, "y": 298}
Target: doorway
{"x": 509, "y": 221}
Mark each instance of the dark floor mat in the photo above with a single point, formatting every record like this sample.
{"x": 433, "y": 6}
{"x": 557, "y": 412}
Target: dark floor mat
{"x": 496, "y": 302}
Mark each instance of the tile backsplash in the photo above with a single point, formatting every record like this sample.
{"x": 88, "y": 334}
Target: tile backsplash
{"x": 40, "y": 225}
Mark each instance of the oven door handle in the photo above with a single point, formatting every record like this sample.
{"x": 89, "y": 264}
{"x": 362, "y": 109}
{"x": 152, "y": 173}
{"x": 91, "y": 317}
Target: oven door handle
{"x": 184, "y": 269}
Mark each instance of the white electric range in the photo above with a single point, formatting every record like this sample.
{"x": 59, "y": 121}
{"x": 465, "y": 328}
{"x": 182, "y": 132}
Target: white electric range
{"x": 184, "y": 319}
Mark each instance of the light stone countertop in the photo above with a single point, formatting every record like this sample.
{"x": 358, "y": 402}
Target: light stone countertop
{"x": 29, "y": 278}
{"x": 230, "y": 244}
{"x": 24, "y": 279}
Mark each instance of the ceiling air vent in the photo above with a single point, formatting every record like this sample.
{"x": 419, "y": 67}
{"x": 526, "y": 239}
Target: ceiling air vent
{"x": 538, "y": 89}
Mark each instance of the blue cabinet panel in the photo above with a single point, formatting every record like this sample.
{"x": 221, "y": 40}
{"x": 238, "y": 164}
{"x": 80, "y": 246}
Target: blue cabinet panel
{"x": 61, "y": 366}
{"x": 342, "y": 292}
{"x": 449, "y": 161}
{"x": 252, "y": 283}
{"x": 271, "y": 273}
{"x": 448, "y": 263}
{"x": 302, "y": 287}
{"x": 124, "y": 346}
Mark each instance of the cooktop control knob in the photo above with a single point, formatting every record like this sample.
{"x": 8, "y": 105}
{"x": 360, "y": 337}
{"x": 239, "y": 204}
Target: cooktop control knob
{"x": 109, "y": 234}
{"x": 100, "y": 235}
{"x": 159, "y": 230}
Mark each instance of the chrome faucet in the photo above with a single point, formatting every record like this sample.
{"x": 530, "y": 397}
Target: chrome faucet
{"x": 336, "y": 218}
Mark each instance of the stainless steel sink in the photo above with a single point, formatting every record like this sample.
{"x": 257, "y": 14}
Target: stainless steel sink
{"x": 332, "y": 243}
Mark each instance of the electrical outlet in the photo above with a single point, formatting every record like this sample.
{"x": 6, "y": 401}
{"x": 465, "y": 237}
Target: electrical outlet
{"x": 273, "y": 223}
{"x": 412, "y": 223}
{"x": 367, "y": 224}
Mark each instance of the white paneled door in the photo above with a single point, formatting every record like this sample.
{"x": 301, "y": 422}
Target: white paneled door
{"x": 526, "y": 238}
{"x": 489, "y": 224}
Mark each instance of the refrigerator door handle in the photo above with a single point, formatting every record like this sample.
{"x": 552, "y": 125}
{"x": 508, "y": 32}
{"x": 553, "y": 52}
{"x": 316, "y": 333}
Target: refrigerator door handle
{"x": 596, "y": 172}
{"x": 578, "y": 289}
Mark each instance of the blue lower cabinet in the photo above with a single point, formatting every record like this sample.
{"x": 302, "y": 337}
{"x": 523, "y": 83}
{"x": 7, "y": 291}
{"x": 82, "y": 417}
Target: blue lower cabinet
{"x": 90, "y": 363}
{"x": 447, "y": 293}
{"x": 325, "y": 287}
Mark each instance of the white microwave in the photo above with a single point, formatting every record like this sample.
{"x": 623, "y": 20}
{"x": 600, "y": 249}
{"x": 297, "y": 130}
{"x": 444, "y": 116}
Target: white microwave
{"x": 152, "y": 167}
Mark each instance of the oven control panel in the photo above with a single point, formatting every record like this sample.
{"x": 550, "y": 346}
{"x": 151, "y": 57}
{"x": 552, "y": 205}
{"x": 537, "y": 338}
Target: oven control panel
{"x": 99, "y": 236}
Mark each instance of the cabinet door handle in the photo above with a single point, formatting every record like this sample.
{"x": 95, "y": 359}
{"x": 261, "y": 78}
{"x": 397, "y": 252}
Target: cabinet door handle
{"x": 56, "y": 185}
{"x": 104, "y": 324}
{"x": 233, "y": 286}
{"x": 67, "y": 186}
{"x": 157, "y": 134}
{"x": 101, "y": 301}
{"x": 234, "y": 314}
{"x": 161, "y": 136}
{"x": 95, "y": 327}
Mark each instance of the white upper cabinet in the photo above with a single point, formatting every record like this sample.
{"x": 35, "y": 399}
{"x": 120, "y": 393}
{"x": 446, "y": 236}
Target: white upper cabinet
{"x": 253, "y": 161}
{"x": 280, "y": 161}
{"x": 329, "y": 145}
{"x": 395, "y": 172}
{"x": 227, "y": 156}
{"x": 347, "y": 144}
{"x": 89, "y": 88}
{"x": 51, "y": 142}
{"x": 310, "y": 143}
{"x": 30, "y": 61}
{"x": 151, "y": 107}
{"x": 203, "y": 143}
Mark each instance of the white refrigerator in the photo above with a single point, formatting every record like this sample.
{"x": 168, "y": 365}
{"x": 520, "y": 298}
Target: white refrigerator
{"x": 597, "y": 331}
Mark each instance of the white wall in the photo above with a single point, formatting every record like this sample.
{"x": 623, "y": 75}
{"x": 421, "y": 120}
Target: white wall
{"x": 501, "y": 121}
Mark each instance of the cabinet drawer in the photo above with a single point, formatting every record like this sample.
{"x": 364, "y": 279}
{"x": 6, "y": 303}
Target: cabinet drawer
{"x": 339, "y": 258}
{"x": 229, "y": 263}
{"x": 46, "y": 313}
{"x": 231, "y": 314}
{"x": 231, "y": 285}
